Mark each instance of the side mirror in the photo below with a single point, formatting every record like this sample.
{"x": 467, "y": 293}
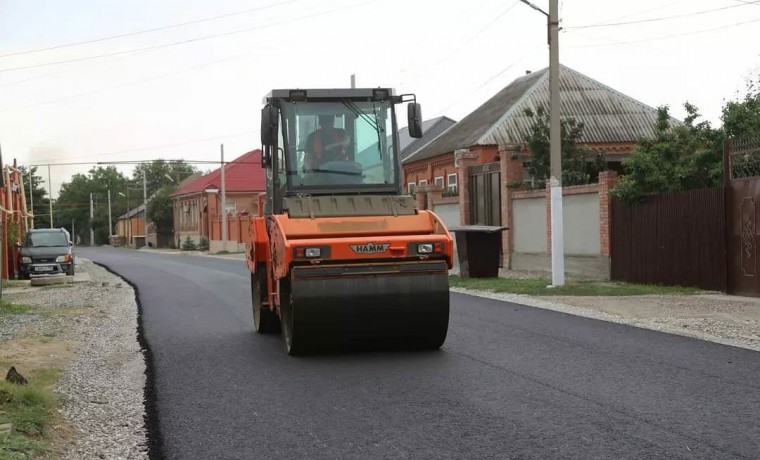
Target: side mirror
{"x": 269, "y": 125}
{"x": 19, "y": 245}
{"x": 71, "y": 243}
{"x": 414, "y": 116}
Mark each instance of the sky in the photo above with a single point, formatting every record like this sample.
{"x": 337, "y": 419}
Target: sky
{"x": 197, "y": 82}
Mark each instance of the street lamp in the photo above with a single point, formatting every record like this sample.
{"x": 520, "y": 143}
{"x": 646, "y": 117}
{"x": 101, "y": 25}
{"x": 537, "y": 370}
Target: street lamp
{"x": 555, "y": 179}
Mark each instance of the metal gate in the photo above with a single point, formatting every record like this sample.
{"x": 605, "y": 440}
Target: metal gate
{"x": 485, "y": 194}
{"x": 742, "y": 162}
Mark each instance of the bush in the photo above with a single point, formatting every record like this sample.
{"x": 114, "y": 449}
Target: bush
{"x": 188, "y": 245}
{"x": 203, "y": 245}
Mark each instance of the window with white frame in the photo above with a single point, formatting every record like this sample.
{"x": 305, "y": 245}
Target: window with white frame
{"x": 410, "y": 187}
{"x": 438, "y": 181}
{"x": 452, "y": 182}
{"x": 423, "y": 183}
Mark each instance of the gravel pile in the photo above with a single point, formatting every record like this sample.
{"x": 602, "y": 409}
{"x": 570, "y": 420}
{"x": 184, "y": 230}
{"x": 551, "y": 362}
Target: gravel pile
{"x": 102, "y": 389}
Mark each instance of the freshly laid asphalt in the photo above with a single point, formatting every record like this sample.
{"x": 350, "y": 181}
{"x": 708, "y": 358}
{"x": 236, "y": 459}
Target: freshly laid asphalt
{"x": 510, "y": 382}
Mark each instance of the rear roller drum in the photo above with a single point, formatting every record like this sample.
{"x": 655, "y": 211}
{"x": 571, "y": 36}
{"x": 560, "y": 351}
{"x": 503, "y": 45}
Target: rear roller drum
{"x": 264, "y": 320}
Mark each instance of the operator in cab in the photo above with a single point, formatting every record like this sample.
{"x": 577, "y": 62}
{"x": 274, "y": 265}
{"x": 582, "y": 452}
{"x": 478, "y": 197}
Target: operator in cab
{"x": 327, "y": 160}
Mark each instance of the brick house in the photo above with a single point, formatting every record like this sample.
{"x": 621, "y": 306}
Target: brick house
{"x": 613, "y": 124}
{"x": 430, "y": 130}
{"x": 485, "y": 151}
{"x": 197, "y": 205}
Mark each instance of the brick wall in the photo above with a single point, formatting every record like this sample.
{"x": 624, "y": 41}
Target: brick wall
{"x": 465, "y": 160}
{"x": 607, "y": 181}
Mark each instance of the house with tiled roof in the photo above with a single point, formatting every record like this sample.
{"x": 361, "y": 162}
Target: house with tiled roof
{"x": 198, "y": 208}
{"x": 481, "y": 163}
{"x": 613, "y": 123}
{"x": 431, "y": 129}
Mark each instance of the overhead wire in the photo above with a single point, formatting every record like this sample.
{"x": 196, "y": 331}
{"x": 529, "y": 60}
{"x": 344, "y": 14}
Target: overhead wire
{"x": 145, "y": 31}
{"x": 662, "y": 18}
{"x": 490, "y": 79}
{"x": 182, "y": 42}
{"x": 154, "y": 147}
{"x": 449, "y": 54}
{"x": 666, "y": 37}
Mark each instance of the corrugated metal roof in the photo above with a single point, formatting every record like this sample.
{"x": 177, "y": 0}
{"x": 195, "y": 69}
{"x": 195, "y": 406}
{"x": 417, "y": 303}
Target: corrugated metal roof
{"x": 430, "y": 130}
{"x": 607, "y": 115}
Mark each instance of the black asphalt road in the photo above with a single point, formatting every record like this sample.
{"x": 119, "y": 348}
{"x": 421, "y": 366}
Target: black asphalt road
{"x": 510, "y": 382}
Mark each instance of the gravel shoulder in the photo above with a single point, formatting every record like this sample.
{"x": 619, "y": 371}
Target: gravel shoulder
{"x": 728, "y": 320}
{"x": 102, "y": 386}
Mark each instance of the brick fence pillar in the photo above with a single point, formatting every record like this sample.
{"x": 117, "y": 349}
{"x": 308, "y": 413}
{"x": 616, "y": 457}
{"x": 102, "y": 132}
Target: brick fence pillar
{"x": 434, "y": 195}
{"x": 511, "y": 170}
{"x": 607, "y": 180}
{"x": 465, "y": 160}
{"x": 420, "y": 195}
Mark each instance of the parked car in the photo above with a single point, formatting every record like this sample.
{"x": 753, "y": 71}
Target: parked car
{"x": 45, "y": 252}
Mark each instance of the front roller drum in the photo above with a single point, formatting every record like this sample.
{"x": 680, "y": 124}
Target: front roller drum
{"x": 383, "y": 311}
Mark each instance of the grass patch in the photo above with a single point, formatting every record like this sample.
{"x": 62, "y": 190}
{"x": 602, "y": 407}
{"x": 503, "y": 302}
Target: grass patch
{"x": 30, "y": 408}
{"x": 15, "y": 283}
{"x": 7, "y": 308}
{"x": 538, "y": 287}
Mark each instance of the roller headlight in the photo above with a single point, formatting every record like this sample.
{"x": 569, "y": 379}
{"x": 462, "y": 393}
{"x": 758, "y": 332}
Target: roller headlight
{"x": 313, "y": 252}
{"x": 26, "y": 260}
{"x": 60, "y": 259}
{"x": 425, "y": 248}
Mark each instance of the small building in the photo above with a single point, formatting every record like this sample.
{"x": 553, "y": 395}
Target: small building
{"x": 130, "y": 228}
{"x": 430, "y": 130}
{"x": 613, "y": 123}
{"x": 483, "y": 160}
{"x": 198, "y": 211}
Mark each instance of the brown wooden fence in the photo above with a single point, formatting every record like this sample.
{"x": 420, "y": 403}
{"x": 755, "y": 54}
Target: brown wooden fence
{"x": 677, "y": 239}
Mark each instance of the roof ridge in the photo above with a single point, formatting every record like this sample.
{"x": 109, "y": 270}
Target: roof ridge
{"x": 517, "y": 103}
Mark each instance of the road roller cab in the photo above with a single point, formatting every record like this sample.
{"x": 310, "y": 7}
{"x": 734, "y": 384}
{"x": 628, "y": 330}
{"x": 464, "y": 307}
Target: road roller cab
{"x": 338, "y": 255}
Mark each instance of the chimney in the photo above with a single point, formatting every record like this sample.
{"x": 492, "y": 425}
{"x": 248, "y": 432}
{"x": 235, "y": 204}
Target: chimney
{"x": 527, "y": 72}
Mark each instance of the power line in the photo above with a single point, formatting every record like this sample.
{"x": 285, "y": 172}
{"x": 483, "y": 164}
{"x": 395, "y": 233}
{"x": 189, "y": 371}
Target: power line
{"x": 474, "y": 36}
{"x": 156, "y": 147}
{"x": 665, "y": 37}
{"x": 490, "y": 79}
{"x": 145, "y": 31}
{"x": 182, "y": 42}
{"x": 129, "y": 83}
{"x": 663, "y": 18}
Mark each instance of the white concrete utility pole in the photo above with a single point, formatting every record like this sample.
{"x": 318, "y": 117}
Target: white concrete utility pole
{"x": 223, "y": 212}
{"x": 555, "y": 144}
{"x": 353, "y": 80}
{"x": 31, "y": 193}
{"x": 110, "y": 225}
{"x": 555, "y": 148}
{"x": 145, "y": 205}
{"x": 50, "y": 197}
{"x": 92, "y": 230}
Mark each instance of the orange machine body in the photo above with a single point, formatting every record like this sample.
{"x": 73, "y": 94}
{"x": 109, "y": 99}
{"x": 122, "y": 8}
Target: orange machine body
{"x": 364, "y": 240}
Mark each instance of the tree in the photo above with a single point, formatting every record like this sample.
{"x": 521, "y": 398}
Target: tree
{"x": 679, "y": 157}
{"x": 39, "y": 195}
{"x": 741, "y": 118}
{"x": 579, "y": 165}
{"x": 161, "y": 211}
{"x": 161, "y": 172}
{"x": 73, "y": 203}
